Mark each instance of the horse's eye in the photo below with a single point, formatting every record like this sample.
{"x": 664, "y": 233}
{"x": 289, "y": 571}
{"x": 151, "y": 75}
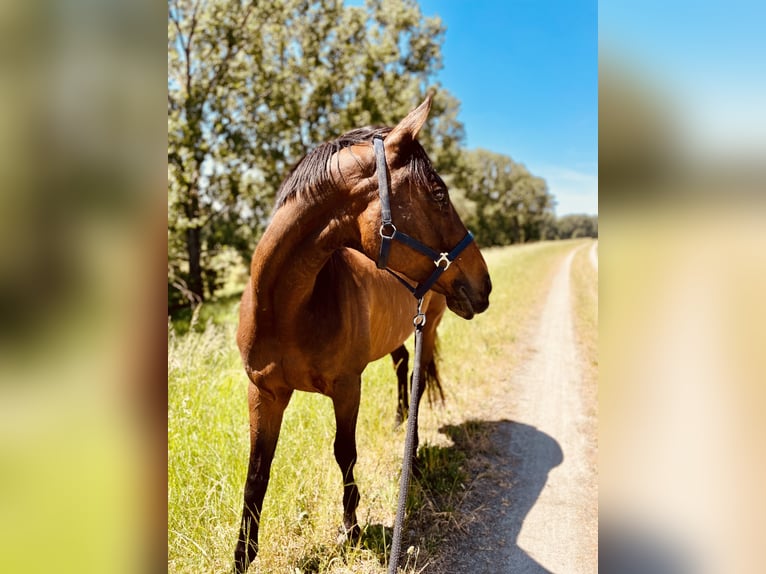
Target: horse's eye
{"x": 440, "y": 194}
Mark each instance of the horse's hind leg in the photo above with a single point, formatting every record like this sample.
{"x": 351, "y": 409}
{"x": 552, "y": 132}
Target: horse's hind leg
{"x": 401, "y": 357}
{"x": 266, "y": 410}
{"x": 428, "y": 372}
{"x": 346, "y": 403}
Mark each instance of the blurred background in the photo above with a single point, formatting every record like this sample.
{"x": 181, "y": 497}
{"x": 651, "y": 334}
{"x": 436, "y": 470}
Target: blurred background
{"x": 82, "y": 320}
{"x": 88, "y": 108}
{"x": 682, "y": 150}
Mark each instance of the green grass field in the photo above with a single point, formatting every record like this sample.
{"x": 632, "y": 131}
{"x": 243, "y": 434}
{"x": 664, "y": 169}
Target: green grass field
{"x": 585, "y": 307}
{"x": 207, "y": 437}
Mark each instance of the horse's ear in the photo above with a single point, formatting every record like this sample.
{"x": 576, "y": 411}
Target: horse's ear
{"x": 397, "y": 142}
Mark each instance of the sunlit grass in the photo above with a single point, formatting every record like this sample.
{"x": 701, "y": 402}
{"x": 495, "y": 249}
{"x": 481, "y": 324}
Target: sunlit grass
{"x": 585, "y": 309}
{"x": 207, "y": 439}
{"x": 584, "y": 285}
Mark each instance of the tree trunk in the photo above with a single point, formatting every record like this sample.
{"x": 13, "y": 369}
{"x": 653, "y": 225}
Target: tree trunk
{"x": 194, "y": 248}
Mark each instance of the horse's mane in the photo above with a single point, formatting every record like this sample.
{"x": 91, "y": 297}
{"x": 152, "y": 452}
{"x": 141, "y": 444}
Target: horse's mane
{"x": 310, "y": 178}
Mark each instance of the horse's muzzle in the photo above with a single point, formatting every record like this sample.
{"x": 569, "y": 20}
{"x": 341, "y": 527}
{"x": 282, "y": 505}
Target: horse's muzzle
{"x": 466, "y": 301}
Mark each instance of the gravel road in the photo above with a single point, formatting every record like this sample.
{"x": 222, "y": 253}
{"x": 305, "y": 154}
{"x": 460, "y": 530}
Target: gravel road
{"x": 536, "y": 504}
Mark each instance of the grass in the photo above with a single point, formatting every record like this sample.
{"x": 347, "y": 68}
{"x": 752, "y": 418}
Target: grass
{"x": 207, "y": 439}
{"x": 219, "y": 312}
{"x": 585, "y": 308}
{"x": 585, "y": 315}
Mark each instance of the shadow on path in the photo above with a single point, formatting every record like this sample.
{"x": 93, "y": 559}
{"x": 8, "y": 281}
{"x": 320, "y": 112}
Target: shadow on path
{"x": 507, "y": 481}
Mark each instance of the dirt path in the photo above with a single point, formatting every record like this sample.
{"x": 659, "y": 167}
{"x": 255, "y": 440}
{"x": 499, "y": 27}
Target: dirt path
{"x": 536, "y": 504}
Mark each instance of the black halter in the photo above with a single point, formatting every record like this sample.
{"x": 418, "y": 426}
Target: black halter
{"x": 388, "y": 232}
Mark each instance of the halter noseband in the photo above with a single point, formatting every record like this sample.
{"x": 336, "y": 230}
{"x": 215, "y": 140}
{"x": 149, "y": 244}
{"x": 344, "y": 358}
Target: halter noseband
{"x": 388, "y": 232}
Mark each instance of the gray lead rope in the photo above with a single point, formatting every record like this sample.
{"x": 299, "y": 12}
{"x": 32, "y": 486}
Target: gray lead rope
{"x": 409, "y": 444}
{"x": 441, "y": 260}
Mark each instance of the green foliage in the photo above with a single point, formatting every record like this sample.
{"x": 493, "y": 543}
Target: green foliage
{"x": 253, "y": 86}
{"x": 501, "y": 200}
{"x": 585, "y": 306}
{"x": 576, "y": 226}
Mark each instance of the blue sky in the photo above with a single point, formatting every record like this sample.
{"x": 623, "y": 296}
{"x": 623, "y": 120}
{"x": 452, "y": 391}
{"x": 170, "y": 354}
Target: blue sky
{"x": 526, "y": 74}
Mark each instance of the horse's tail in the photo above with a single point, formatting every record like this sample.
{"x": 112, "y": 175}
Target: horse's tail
{"x": 433, "y": 383}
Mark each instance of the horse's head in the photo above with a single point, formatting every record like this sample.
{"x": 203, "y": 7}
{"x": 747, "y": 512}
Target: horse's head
{"x": 421, "y": 209}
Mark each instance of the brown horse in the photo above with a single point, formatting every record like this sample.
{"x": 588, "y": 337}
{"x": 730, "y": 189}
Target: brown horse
{"x": 317, "y": 310}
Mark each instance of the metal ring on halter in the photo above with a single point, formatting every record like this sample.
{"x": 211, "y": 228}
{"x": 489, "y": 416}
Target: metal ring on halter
{"x": 383, "y": 226}
{"x": 444, "y": 257}
{"x": 419, "y": 320}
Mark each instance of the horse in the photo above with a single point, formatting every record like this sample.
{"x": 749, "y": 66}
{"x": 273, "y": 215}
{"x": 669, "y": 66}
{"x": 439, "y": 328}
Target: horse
{"x": 317, "y": 309}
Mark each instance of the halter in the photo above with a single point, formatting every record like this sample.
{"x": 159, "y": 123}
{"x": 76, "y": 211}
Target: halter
{"x": 388, "y": 232}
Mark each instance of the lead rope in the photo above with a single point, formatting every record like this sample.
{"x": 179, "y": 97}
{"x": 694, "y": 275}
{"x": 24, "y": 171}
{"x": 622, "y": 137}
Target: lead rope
{"x": 409, "y": 443}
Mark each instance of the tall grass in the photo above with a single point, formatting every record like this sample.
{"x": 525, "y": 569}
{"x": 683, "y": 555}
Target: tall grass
{"x": 585, "y": 308}
{"x": 585, "y": 314}
{"x": 207, "y": 439}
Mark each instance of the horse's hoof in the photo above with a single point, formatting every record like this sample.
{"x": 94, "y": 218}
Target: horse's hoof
{"x": 348, "y": 535}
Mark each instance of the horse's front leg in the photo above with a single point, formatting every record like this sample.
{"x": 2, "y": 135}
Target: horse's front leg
{"x": 346, "y": 404}
{"x": 266, "y": 410}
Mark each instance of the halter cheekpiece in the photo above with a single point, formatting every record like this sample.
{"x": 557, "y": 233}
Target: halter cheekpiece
{"x": 388, "y": 232}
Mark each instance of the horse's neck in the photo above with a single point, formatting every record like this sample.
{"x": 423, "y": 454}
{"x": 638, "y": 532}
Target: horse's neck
{"x": 288, "y": 259}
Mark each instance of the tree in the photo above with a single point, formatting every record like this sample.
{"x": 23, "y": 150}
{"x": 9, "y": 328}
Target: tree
{"x": 504, "y": 202}
{"x": 577, "y": 225}
{"x": 252, "y": 86}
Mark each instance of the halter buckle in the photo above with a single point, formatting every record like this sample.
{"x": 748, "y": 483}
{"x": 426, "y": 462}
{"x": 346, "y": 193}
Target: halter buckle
{"x": 445, "y": 258}
{"x": 390, "y": 226}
